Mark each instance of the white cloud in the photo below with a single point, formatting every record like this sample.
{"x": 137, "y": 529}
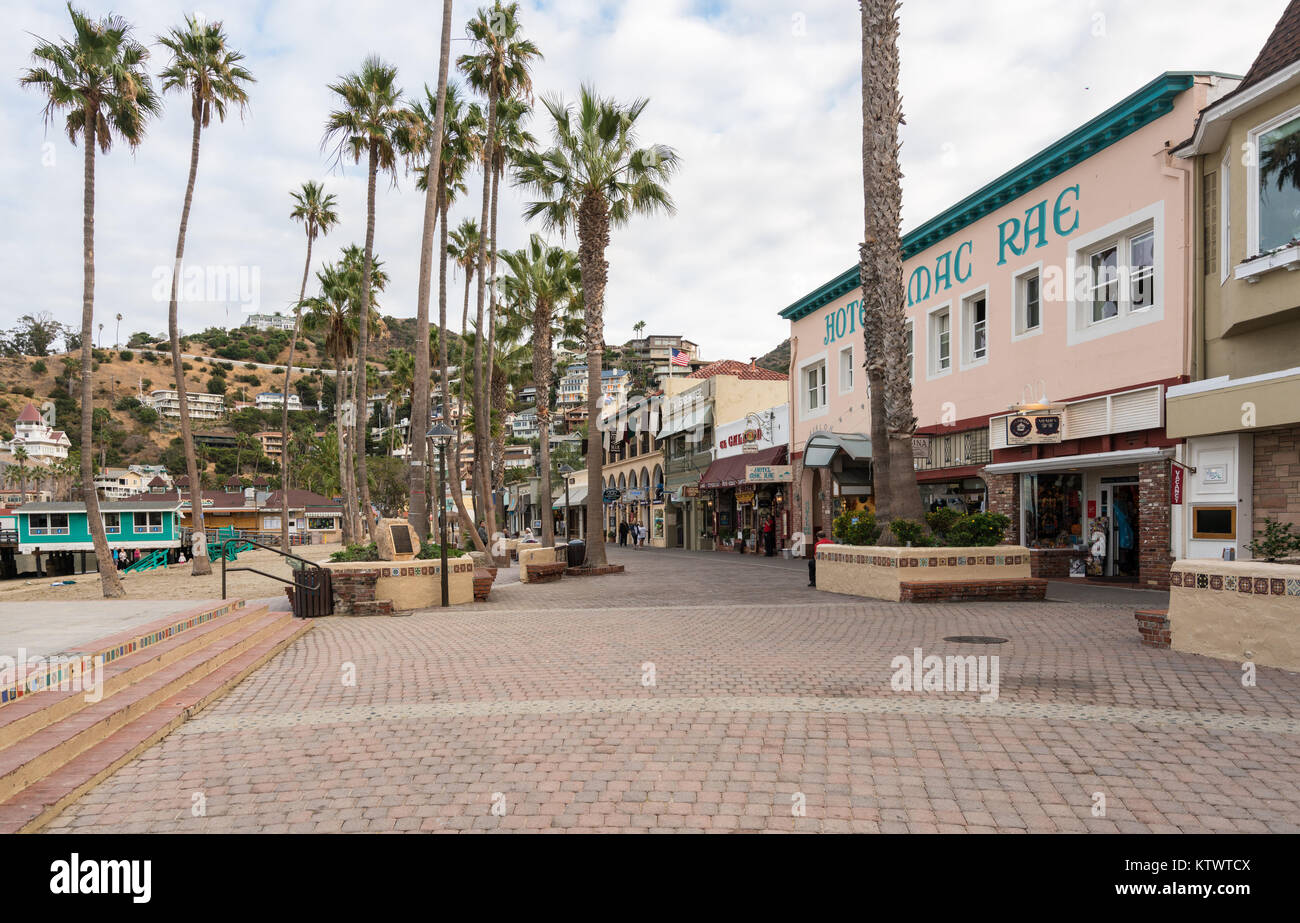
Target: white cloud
{"x": 764, "y": 107}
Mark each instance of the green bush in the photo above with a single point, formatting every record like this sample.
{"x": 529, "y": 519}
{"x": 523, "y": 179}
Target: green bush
{"x": 941, "y": 520}
{"x": 357, "y": 553}
{"x": 126, "y": 355}
{"x": 38, "y": 367}
{"x": 911, "y": 532}
{"x": 1276, "y": 542}
{"x": 978, "y": 529}
{"x": 250, "y": 366}
{"x": 431, "y": 551}
{"x": 856, "y": 528}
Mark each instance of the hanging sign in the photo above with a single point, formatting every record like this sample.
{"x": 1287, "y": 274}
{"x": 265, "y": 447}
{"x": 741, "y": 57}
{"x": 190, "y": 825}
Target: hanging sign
{"x": 764, "y": 474}
{"x": 1034, "y": 429}
{"x": 920, "y": 446}
{"x": 1176, "y": 486}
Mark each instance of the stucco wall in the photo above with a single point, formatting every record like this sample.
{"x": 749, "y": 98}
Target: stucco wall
{"x": 869, "y": 570}
{"x": 416, "y": 584}
{"x": 1237, "y": 610}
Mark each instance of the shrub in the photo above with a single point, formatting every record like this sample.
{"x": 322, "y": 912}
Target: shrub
{"x": 357, "y": 553}
{"x": 29, "y": 392}
{"x": 856, "y": 528}
{"x": 941, "y": 520}
{"x": 978, "y": 529}
{"x": 250, "y": 366}
{"x": 911, "y": 532}
{"x": 126, "y": 355}
{"x": 431, "y": 551}
{"x": 126, "y": 403}
{"x": 1277, "y": 541}
{"x": 38, "y": 367}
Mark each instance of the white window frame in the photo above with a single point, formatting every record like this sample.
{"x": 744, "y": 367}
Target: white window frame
{"x": 1081, "y": 328}
{"x": 270, "y": 522}
{"x": 846, "y": 367}
{"x": 968, "y": 357}
{"x": 47, "y": 527}
{"x": 910, "y": 355}
{"x": 1019, "y": 329}
{"x": 149, "y": 524}
{"x": 1225, "y": 216}
{"x": 1252, "y": 176}
{"x": 116, "y": 528}
{"x": 932, "y": 368}
{"x": 805, "y": 411}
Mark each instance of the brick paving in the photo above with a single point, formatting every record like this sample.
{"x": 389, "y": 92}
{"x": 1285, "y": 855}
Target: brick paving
{"x": 771, "y": 709}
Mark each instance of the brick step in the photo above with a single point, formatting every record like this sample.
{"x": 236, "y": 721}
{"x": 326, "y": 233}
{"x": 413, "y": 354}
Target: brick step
{"x": 1012, "y": 590}
{"x": 43, "y": 800}
{"x": 545, "y": 573}
{"x": 132, "y": 640}
{"x": 41, "y": 709}
{"x": 51, "y": 747}
{"x": 1153, "y": 626}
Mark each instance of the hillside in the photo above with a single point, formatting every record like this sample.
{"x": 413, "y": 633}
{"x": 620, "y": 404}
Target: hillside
{"x": 778, "y": 360}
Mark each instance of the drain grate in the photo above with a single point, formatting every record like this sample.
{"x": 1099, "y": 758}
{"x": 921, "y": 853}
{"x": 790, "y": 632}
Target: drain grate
{"x": 976, "y": 639}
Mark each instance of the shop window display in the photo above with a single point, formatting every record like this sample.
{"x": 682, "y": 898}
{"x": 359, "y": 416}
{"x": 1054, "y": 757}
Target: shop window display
{"x": 1053, "y": 510}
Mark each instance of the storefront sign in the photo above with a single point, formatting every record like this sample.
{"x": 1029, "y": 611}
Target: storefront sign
{"x": 765, "y": 474}
{"x": 690, "y": 491}
{"x": 920, "y": 446}
{"x": 744, "y": 496}
{"x": 1034, "y": 429}
{"x": 633, "y": 494}
{"x": 1176, "y": 486}
{"x": 611, "y": 494}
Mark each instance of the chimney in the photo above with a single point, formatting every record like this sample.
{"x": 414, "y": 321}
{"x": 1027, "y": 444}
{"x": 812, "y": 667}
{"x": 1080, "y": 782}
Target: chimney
{"x": 753, "y": 362}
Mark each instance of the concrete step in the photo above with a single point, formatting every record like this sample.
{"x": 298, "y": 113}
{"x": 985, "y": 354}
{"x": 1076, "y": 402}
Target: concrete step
{"x": 37, "y": 710}
{"x": 50, "y": 747}
{"x": 122, "y": 644}
{"x": 132, "y": 729}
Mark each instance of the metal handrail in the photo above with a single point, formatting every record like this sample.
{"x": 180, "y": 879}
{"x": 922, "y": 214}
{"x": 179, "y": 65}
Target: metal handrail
{"x": 225, "y": 549}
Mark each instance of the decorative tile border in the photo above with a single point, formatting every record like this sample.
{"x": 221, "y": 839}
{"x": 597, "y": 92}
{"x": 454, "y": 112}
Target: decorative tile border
{"x": 1255, "y": 586}
{"x": 996, "y": 560}
{"x": 55, "y": 675}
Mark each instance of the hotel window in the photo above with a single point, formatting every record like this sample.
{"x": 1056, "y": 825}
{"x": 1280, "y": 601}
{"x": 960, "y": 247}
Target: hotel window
{"x": 1277, "y": 189}
{"x": 815, "y": 386}
{"x": 153, "y": 522}
{"x": 846, "y": 370}
{"x": 911, "y": 351}
{"x": 975, "y": 311}
{"x": 940, "y": 342}
{"x": 1029, "y": 308}
{"x": 112, "y": 524}
{"x": 1122, "y": 275}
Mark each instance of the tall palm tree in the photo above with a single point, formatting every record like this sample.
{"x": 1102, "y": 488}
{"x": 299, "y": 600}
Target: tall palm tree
{"x": 401, "y": 381}
{"x": 541, "y": 281}
{"x": 315, "y": 209}
{"x": 498, "y": 70}
{"x": 331, "y": 312}
{"x": 880, "y": 267}
{"x": 210, "y": 73}
{"x": 21, "y": 460}
{"x": 117, "y": 332}
{"x": 371, "y": 115}
{"x": 99, "y": 78}
{"x": 434, "y": 119}
{"x": 595, "y": 177}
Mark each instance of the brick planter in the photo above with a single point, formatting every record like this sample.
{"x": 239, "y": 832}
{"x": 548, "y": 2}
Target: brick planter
{"x": 584, "y": 571}
{"x": 544, "y": 573}
{"x": 1153, "y": 625}
{"x": 484, "y": 577}
{"x": 928, "y": 574}
{"x": 942, "y": 591}
{"x": 354, "y": 593}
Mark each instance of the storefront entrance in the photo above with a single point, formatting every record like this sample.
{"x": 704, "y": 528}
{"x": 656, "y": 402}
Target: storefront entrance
{"x": 1119, "y": 508}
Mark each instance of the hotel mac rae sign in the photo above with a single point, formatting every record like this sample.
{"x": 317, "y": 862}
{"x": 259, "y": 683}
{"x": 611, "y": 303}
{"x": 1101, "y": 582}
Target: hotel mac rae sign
{"x": 769, "y": 474}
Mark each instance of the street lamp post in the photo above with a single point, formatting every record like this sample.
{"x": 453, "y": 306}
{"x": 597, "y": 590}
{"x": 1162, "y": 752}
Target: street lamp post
{"x": 439, "y": 435}
{"x": 565, "y": 471}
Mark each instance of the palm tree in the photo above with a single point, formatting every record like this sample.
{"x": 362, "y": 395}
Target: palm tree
{"x": 401, "y": 380}
{"x": 331, "y": 311}
{"x": 499, "y": 70}
{"x": 315, "y": 209}
{"x": 880, "y": 266}
{"x": 541, "y": 282}
{"x": 203, "y": 67}
{"x": 351, "y": 274}
{"x": 21, "y": 458}
{"x": 370, "y": 118}
{"x": 117, "y": 332}
{"x": 592, "y": 179}
{"x": 101, "y": 334}
{"x": 434, "y": 119}
{"x": 100, "y": 79}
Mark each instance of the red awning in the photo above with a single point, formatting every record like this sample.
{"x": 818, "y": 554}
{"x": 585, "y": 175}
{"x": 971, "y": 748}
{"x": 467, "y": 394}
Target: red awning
{"x": 730, "y": 471}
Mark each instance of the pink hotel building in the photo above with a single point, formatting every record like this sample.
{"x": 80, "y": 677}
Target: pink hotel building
{"x": 1067, "y": 277}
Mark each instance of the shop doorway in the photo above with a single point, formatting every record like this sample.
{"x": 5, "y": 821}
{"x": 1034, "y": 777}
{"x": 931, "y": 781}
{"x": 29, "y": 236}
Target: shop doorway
{"x": 1119, "y": 504}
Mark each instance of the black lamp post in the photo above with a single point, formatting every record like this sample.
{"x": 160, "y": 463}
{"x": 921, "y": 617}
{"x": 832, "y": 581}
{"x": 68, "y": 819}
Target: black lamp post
{"x": 439, "y": 435}
{"x": 565, "y": 471}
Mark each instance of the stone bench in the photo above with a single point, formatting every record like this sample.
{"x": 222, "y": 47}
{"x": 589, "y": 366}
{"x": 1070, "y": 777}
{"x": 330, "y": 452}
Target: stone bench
{"x": 531, "y": 555}
{"x": 1153, "y": 625}
{"x": 546, "y": 572}
{"x": 935, "y": 591}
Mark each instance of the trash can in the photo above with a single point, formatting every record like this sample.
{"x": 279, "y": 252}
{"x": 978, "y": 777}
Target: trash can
{"x": 577, "y": 552}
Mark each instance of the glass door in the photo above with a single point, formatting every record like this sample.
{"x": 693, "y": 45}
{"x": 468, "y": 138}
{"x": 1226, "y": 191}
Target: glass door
{"x": 1122, "y": 550}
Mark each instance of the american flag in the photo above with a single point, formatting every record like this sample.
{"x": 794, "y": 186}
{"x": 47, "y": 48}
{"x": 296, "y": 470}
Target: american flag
{"x": 679, "y": 357}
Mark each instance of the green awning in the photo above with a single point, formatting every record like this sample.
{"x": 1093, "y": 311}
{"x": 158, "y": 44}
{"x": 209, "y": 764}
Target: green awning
{"x": 822, "y": 446}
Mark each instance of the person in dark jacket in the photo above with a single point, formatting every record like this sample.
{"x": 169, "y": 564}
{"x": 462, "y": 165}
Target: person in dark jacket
{"x": 819, "y": 539}
{"x": 622, "y": 533}
{"x": 769, "y": 537}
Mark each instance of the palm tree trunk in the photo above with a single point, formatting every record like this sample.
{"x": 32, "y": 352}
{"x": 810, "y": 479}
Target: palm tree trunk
{"x": 492, "y": 466}
{"x": 363, "y": 342}
{"x": 881, "y": 261}
{"x": 109, "y": 580}
{"x": 200, "y": 565}
{"x": 358, "y": 528}
{"x": 593, "y": 238}
{"x": 482, "y": 420}
{"x": 284, "y": 404}
{"x": 542, "y": 388}
{"x": 345, "y": 521}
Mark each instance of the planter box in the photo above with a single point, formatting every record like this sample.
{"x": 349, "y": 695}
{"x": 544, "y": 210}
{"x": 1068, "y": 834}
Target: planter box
{"x": 539, "y": 554}
{"x": 880, "y": 573}
{"x": 1237, "y": 611}
{"x": 383, "y": 587}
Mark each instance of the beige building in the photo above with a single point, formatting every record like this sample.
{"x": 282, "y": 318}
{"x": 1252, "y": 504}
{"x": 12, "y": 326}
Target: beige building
{"x": 1241, "y": 412}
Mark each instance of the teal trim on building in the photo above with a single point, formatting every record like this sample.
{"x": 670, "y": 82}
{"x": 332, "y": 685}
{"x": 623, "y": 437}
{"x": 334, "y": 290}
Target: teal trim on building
{"x": 1125, "y": 117}
{"x": 134, "y": 530}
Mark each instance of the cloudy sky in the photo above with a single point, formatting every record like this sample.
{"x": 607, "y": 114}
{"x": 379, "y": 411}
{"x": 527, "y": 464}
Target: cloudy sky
{"x": 761, "y": 99}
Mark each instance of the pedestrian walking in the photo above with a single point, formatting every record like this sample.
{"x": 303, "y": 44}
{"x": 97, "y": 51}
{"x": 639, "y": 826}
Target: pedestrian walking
{"x": 622, "y": 533}
{"x": 820, "y": 539}
{"x": 769, "y": 537}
